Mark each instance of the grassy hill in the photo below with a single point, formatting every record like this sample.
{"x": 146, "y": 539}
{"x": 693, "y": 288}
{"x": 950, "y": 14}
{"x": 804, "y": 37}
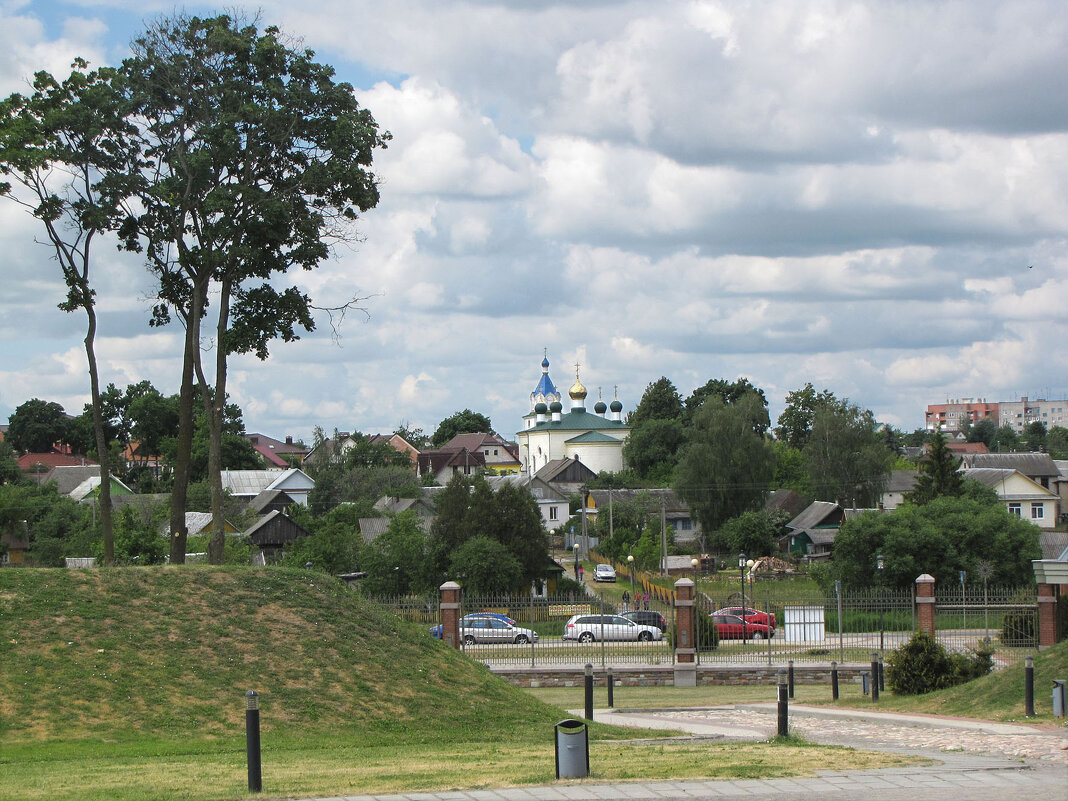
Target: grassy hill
{"x": 168, "y": 653}
{"x": 130, "y": 683}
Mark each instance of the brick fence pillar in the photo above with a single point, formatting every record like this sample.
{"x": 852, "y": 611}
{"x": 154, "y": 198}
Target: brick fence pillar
{"x": 450, "y": 613}
{"x": 685, "y": 634}
{"x": 1047, "y": 615}
{"x": 925, "y": 603}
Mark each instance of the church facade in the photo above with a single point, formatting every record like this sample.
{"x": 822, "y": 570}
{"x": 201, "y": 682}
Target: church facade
{"x": 549, "y": 433}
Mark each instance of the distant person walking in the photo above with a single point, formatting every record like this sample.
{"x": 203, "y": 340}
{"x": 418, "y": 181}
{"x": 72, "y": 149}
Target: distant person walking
{"x": 580, "y": 573}
{"x": 626, "y": 601}
{"x": 645, "y": 600}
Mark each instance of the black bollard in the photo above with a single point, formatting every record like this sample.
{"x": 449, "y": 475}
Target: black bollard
{"x": 252, "y": 741}
{"x": 882, "y": 674}
{"x": 874, "y": 676}
{"x": 611, "y": 690}
{"x": 790, "y": 675}
{"x": 589, "y": 691}
{"x": 784, "y": 705}
{"x": 834, "y": 681}
{"x": 1029, "y": 686}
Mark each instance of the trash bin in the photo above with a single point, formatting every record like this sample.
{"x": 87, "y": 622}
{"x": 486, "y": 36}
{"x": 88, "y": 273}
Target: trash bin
{"x": 865, "y": 682}
{"x": 1060, "y": 698}
{"x": 572, "y": 749}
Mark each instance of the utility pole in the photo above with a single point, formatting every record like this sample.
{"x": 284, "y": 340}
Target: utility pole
{"x": 663, "y": 534}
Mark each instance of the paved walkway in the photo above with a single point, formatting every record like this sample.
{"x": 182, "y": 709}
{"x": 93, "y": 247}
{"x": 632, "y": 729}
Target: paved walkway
{"x": 977, "y": 760}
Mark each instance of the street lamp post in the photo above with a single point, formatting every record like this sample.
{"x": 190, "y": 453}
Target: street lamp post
{"x": 694, "y": 563}
{"x": 576, "y": 549}
{"x": 630, "y": 564}
{"x": 741, "y": 569}
{"x": 879, "y": 562}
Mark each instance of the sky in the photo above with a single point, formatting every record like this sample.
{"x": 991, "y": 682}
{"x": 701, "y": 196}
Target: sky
{"x": 868, "y": 196}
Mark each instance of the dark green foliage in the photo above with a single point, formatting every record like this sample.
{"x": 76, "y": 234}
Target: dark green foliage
{"x": 652, "y": 448}
{"x": 751, "y": 533}
{"x": 56, "y": 526}
{"x": 795, "y": 422}
{"x": 922, "y": 665}
{"x": 1057, "y": 442}
{"x": 940, "y": 538}
{"x": 1018, "y": 629}
{"x": 729, "y": 392}
{"x": 845, "y": 456}
{"x": 707, "y": 635}
{"x": 332, "y": 548}
{"x": 395, "y": 562}
{"x": 465, "y": 422}
{"x": 36, "y": 425}
{"x": 660, "y": 401}
{"x": 939, "y": 474}
{"x": 726, "y": 467}
{"x": 138, "y": 540}
{"x": 9, "y": 466}
{"x": 620, "y": 527}
{"x": 984, "y": 430}
{"x": 484, "y": 566}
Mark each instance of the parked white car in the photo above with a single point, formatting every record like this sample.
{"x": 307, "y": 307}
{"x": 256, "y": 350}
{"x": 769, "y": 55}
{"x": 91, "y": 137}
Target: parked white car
{"x": 604, "y": 573}
{"x": 610, "y": 628}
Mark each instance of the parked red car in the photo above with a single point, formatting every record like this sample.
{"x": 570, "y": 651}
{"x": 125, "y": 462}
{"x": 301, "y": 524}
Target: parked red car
{"x": 751, "y": 615}
{"x": 732, "y": 627}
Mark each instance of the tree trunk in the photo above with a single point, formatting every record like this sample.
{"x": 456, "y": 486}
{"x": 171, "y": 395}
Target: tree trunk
{"x": 104, "y": 496}
{"x": 217, "y": 411}
{"x": 179, "y": 490}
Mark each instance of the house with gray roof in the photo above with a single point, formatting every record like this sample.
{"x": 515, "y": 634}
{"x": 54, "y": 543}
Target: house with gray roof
{"x": 247, "y": 484}
{"x": 1039, "y": 467}
{"x": 1023, "y": 496}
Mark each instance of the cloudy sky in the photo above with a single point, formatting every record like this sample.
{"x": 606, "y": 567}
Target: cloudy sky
{"x": 869, "y": 196}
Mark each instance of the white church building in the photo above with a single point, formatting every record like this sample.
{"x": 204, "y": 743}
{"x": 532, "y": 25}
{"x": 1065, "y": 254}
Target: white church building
{"x": 550, "y": 433}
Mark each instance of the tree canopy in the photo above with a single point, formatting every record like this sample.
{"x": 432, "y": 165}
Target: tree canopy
{"x": 845, "y": 456}
{"x": 660, "y": 401}
{"x": 36, "y": 425}
{"x": 725, "y": 467}
{"x": 939, "y": 474}
{"x": 941, "y": 538}
{"x": 465, "y": 422}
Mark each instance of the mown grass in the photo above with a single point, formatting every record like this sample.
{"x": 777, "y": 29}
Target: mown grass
{"x": 130, "y": 682}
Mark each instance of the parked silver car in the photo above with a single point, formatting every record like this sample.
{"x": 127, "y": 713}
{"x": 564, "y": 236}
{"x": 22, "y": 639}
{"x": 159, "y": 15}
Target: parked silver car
{"x": 610, "y": 628}
{"x": 604, "y": 573}
{"x": 475, "y": 629}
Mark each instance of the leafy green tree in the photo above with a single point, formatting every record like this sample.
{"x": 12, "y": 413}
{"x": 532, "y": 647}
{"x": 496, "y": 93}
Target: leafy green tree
{"x": 395, "y": 563}
{"x": 939, "y": 474}
{"x": 524, "y": 534}
{"x": 465, "y": 422}
{"x": 1034, "y": 436}
{"x": 940, "y": 538}
{"x": 660, "y": 401}
{"x": 652, "y": 449}
{"x": 728, "y": 392}
{"x": 790, "y": 470}
{"x": 846, "y": 459}
{"x": 482, "y": 565}
{"x": 413, "y": 436}
{"x": 751, "y": 533}
{"x": 620, "y": 528}
{"x": 56, "y": 526}
{"x": 1057, "y": 442}
{"x": 647, "y": 550}
{"x": 9, "y": 466}
{"x": 138, "y": 541}
{"x": 280, "y": 172}
{"x": 795, "y": 422}
{"x": 64, "y": 148}
{"x": 332, "y": 548}
{"x": 726, "y": 467}
{"x": 1006, "y": 440}
{"x": 36, "y": 425}
{"x": 365, "y": 453}
{"x": 984, "y": 430}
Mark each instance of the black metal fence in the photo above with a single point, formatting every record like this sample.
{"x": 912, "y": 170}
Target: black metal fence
{"x": 845, "y": 626}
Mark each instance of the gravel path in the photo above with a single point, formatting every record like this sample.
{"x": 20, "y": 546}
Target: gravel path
{"x": 894, "y": 732}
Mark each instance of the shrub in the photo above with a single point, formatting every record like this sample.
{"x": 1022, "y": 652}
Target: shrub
{"x": 922, "y": 665}
{"x": 707, "y": 636}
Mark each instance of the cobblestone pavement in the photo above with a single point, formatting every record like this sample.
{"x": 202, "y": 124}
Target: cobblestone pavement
{"x": 890, "y": 732}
